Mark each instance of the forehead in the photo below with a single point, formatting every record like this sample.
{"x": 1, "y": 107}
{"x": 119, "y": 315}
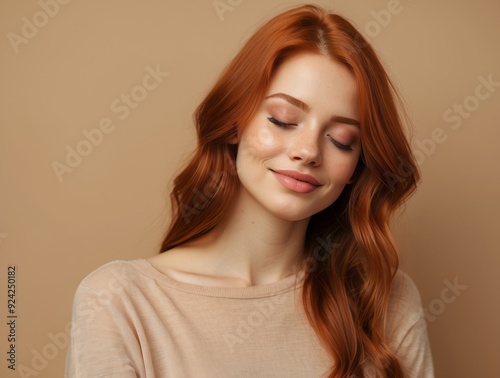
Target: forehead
{"x": 318, "y": 81}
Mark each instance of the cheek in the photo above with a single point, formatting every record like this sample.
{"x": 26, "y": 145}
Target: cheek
{"x": 265, "y": 139}
{"x": 343, "y": 166}
{"x": 258, "y": 142}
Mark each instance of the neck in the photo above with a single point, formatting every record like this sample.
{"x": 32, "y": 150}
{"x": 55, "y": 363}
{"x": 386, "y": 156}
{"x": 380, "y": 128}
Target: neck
{"x": 254, "y": 246}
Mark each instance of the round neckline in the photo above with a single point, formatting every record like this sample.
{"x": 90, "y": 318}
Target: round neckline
{"x": 278, "y": 287}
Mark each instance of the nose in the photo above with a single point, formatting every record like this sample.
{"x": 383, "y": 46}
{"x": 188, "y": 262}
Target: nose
{"x": 306, "y": 148}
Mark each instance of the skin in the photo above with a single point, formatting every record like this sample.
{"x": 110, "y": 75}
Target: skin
{"x": 261, "y": 238}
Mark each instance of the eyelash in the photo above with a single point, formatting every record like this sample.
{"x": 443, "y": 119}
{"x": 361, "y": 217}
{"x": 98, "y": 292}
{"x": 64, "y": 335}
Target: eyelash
{"x": 337, "y": 144}
{"x": 279, "y": 123}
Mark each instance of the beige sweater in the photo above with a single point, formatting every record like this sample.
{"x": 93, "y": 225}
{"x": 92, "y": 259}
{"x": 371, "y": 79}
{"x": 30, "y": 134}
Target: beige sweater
{"x": 130, "y": 320}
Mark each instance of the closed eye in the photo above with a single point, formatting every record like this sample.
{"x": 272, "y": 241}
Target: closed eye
{"x": 336, "y": 143}
{"x": 339, "y": 145}
{"x": 279, "y": 123}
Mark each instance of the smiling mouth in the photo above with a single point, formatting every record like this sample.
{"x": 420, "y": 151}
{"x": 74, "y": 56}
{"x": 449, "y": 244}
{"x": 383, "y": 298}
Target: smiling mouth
{"x": 296, "y": 181}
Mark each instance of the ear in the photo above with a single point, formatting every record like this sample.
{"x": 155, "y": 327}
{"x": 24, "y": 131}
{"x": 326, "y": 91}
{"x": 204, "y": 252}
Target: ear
{"x": 234, "y": 139}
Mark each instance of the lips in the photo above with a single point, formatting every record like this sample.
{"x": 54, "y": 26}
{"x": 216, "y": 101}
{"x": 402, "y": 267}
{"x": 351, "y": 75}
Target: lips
{"x": 296, "y": 181}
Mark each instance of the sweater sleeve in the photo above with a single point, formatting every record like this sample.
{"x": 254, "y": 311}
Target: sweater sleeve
{"x": 103, "y": 342}
{"x": 409, "y": 337}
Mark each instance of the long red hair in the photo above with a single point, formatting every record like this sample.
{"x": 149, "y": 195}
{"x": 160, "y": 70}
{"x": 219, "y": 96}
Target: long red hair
{"x": 345, "y": 296}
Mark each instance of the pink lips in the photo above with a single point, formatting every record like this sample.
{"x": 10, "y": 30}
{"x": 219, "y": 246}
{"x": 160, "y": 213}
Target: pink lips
{"x": 296, "y": 181}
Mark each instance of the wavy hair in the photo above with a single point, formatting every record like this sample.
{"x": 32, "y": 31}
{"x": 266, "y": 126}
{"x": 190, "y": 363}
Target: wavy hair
{"x": 345, "y": 296}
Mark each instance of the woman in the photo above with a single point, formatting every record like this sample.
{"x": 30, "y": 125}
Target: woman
{"x": 279, "y": 259}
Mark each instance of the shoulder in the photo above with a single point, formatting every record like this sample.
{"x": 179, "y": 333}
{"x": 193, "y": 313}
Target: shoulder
{"x": 113, "y": 280}
{"x": 404, "y": 307}
{"x": 404, "y": 297}
{"x": 406, "y": 327}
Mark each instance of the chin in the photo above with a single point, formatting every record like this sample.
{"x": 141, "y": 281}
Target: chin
{"x": 293, "y": 215}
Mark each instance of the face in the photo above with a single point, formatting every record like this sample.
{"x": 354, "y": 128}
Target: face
{"x": 301, "y": 147}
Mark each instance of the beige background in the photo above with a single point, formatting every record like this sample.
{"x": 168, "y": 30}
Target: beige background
{"x": 113, "y": 205}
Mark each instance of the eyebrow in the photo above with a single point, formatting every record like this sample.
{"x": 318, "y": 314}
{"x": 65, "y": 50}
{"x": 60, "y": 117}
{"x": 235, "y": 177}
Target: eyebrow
{"x": 302, "y": 105}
